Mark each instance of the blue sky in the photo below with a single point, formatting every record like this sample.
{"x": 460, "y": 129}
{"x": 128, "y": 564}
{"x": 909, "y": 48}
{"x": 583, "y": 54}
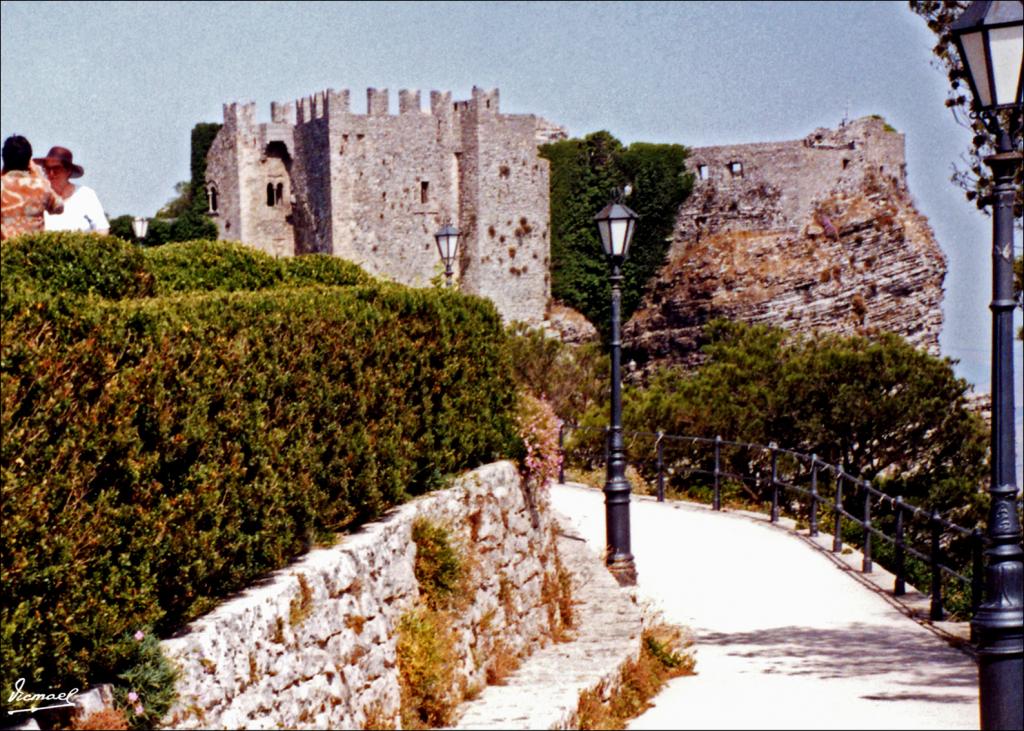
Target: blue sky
{"x": 122, "y": 84}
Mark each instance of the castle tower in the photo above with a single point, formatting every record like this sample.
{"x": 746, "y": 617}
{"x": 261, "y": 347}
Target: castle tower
{"x": 248, "y": 166}
{"x": 505, "y": 214}
{"x": 374, "y": 188}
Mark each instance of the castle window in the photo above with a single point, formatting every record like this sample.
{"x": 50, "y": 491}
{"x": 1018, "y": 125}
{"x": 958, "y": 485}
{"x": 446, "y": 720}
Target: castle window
{"x": 424, "y": 191}
{"x": 846, "y": 163}
{"x": 702, "y": 172}
{"x": 736, "y": 168}
{"x": 270, "y": 194}
{"x": 211, "y": 199}
{"x": 279, "y": 193}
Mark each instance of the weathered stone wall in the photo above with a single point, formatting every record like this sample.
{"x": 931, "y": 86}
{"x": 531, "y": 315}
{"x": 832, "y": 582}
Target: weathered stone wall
{"x": 314, "y": 645}
{"x": 507, "y": 246}
{"x": 374, "y": 188}
{"x": 813, "y": 234}
{"x": 223, "y": 156}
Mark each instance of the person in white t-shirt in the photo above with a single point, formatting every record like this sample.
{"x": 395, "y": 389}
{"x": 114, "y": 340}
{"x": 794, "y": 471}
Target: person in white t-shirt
{"x": 82, "y": 208}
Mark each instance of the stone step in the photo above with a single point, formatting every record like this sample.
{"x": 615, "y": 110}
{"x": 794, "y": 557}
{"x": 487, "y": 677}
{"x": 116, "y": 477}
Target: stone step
{"x": 544, "y": 691}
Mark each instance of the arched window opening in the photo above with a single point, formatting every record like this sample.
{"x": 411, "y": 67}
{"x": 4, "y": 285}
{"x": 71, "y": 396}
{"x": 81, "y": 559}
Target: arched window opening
{"x": 211, "y": 199}
{"x": 279, "y": 193}
{"x": 270, "y": 194}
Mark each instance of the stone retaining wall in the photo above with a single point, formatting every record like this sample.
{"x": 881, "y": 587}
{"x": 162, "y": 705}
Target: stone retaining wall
{"x": 313, "y": 645}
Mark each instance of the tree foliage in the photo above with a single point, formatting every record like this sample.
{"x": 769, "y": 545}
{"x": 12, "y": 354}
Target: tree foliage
{"x": 571, "y": 378}
{"x": 975, "y": 178}
{"x": 584, "y": 175}
{"x": 183, "y": 217}
{"x": 879, "y": 408}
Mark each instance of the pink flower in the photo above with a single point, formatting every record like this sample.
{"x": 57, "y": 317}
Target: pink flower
{"x": 139, "y": 710}
{"x": 140, "y": 635}
{"x": 133, "y": 696}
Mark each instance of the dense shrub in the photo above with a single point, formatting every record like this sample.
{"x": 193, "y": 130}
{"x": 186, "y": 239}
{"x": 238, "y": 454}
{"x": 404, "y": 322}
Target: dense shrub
{"x": 158, "y": 453}
{"x": 879, "y": 408}
{"x": 212, "y": 265}
{"x": 112, "y": 268}
{"x": 573, "y": 378}
{"x": 65, "y": 262}
{"x": 323, "y": 269}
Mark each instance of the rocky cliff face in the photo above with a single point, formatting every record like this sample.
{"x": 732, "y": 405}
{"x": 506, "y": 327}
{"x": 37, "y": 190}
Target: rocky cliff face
{"x": 817, "y": 234}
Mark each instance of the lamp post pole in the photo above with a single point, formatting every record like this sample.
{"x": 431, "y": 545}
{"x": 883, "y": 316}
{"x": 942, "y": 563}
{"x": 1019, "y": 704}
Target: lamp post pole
{"x": 999, "y": 621}
{"x": 989, "y": 37}
{"x": 616, "y": 489}
{"x": 616, "y": 224}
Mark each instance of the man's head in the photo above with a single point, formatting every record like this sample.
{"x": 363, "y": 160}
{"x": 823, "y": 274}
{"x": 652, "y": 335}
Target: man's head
{"x": 16, "y": 153}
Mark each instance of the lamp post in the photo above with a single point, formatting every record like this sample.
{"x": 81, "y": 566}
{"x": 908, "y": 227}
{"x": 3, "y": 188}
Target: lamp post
{"x": 140, "y": 225}
{"x": 989, "y": 37}
{"x": 447, "y": 246}
{"x": 616, "y": 224}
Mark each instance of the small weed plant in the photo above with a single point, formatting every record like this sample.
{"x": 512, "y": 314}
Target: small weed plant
{"x": 427, "y": 669}
{"x": 145, "y": 690}
{"x": 663, "y": 656}
{"x": 441, "y": 571}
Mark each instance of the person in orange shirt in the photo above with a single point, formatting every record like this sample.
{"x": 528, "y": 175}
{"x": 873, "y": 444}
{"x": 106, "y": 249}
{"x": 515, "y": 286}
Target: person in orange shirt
{"x": 25, "y": 194}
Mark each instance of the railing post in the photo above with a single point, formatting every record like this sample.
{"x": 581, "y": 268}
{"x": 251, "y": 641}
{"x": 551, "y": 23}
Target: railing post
{"x": 716, "y": 499}
{"x": 837, "y": 538}
{"x": 936, "y": 614}
{"x": 900, "y": 587}
{"x": 977, "y": 574}
{"x": 813, "y": 517}
{"x": 866, "y": 566}
{"x": 775, "y": 483}
{"x": 561, "y": 452}
{"x": 661, "y": 473}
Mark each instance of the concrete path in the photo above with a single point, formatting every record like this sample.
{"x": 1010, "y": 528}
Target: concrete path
{"x": 786, "y": 637}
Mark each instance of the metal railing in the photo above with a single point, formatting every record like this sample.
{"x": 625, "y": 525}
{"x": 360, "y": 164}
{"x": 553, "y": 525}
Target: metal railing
{"x": 795, "y": 477}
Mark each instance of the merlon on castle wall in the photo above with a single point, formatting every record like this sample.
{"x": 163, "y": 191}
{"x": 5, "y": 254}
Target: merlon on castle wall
{"x": 373, "y": 188}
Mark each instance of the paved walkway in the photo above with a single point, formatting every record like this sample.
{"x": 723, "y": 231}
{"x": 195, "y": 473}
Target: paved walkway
{"x": 786, "y": 636}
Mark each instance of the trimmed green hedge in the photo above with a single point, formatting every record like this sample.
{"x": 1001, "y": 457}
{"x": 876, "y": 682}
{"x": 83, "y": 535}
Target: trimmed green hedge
{"x": 161, "y": 452}
{"x": 106, "y": 266}
{"x": 74, "y": 263}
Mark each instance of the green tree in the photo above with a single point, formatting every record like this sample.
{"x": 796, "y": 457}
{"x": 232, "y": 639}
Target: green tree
{"x": 183, "y": 217}
{"x": 976, "y": 178}
{"x": 584, "y": 175}
{"x": 878, "y": 408}
{"x": 571, "y": 378}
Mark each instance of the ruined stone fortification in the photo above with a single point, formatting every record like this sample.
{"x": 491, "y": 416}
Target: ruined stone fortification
{"x": 811, "y": 234}
{"x": 373, "y": 188}
{"x": 818, "y": 233}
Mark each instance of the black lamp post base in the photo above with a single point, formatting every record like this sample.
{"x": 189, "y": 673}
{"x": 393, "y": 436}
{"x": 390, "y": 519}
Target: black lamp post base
{"x": 624, "y": 571}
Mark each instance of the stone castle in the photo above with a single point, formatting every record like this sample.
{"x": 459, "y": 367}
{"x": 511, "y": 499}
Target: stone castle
{"x": 374, "y": 188}
{"x": 815, "y": 233}
{"x": 818, "y": 233}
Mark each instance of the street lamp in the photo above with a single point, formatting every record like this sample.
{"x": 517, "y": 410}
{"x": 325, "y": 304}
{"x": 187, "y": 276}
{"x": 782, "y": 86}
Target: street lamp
{"x": 989, "y": 37}
{"x": 447, "y": 245}
{"x": 616, "y": 224}
{"x": 139, "y": 226}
